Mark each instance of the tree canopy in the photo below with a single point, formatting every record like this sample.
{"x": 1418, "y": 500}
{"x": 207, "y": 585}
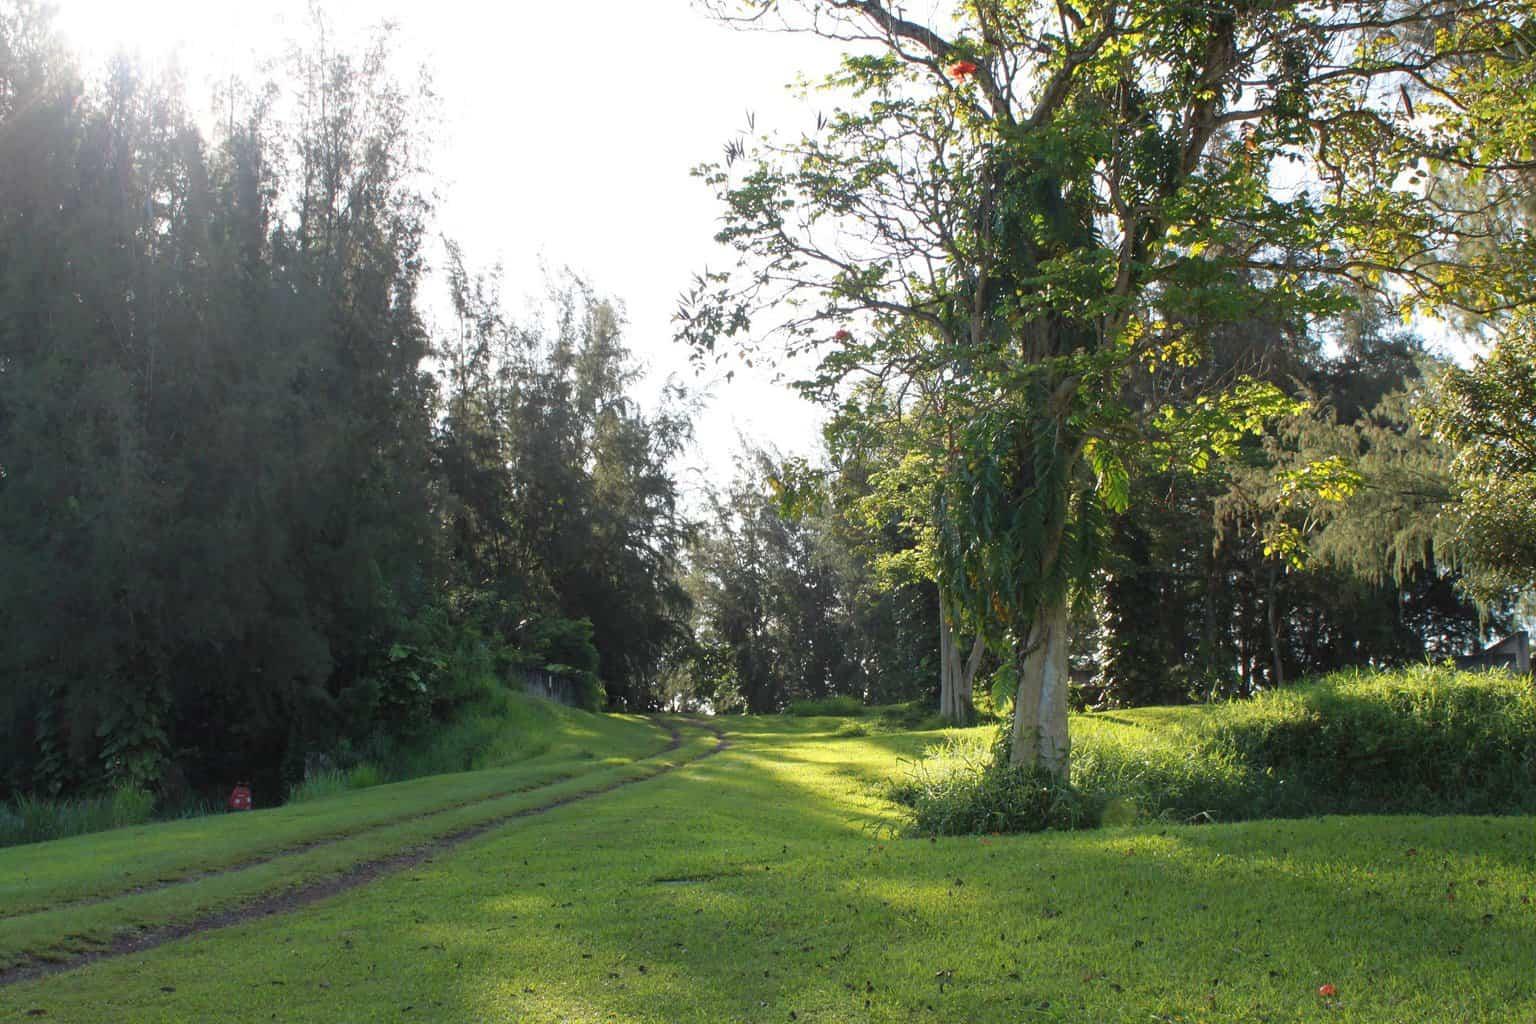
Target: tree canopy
{"x": 1025, "y": 204}
{"x": 253, "y": 504}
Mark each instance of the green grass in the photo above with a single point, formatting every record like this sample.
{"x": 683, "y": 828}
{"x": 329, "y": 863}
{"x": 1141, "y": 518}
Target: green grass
{"x": 839, "y": 706}
{"x": 58, "y": 931}
{"x": 34, "y": 878}
{"x": 1426, "y": 739}
{"x": 500, "y": 728}
{"x": 760, "y": 883}
{"x": 31, "y": 819}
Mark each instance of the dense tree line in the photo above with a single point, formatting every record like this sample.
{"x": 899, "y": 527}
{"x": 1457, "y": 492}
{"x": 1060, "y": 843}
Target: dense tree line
{"x": 251, "y": 504}
{"x": 1240, "y": 578}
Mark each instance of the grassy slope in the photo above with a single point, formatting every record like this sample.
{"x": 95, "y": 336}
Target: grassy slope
{"x": 51, "y": 893}
{"x": 752, "y": 886}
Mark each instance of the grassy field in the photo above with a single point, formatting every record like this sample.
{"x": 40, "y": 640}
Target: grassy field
{"x": 1418, "y": 740}
{"x": 762, "y": 885}
{"x": 77, "y": 895}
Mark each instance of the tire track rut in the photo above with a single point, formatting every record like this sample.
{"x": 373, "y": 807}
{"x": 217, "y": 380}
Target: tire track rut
{"x": 354, "y": 877}
{"x": 674, "y": 741}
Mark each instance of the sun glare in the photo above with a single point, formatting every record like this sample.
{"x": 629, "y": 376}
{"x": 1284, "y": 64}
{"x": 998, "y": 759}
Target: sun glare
{"x": 203, "y": 38}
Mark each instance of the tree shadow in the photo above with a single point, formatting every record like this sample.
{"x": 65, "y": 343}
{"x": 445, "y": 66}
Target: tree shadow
{"x": 747, "y": 886}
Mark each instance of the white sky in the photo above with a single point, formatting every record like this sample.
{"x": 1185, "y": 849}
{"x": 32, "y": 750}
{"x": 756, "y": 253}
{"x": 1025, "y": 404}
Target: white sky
{"x": 569, "y": 132}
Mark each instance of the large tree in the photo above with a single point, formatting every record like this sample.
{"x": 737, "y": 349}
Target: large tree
{"x": 1026, "y": 201}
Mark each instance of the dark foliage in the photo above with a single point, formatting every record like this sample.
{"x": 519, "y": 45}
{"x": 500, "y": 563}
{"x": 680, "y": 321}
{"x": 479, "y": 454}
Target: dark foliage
{"x": 242, "y": 516}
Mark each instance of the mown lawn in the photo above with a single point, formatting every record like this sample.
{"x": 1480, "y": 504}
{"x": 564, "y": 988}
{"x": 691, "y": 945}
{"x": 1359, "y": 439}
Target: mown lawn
{"x": 106, "y": 863}
{"x": 760, "y": 885}
{"x": 77, "y": 895}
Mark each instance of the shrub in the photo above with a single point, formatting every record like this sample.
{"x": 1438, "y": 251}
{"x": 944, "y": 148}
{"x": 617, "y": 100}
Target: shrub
{"x": 12, "y": 828}
{"x": 335, "y": 781}
{"x": 963, "y": 788}
{"x": 503, "y": 728}
{"x": 131, "y": 806}
{"x": 1425, "y": 740}
{"x": 914, "y": 716}
{"x": 841, "y": 705}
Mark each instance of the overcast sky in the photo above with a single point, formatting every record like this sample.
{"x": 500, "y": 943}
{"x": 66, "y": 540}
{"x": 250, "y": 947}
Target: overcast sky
{"x": 569, "y": 131}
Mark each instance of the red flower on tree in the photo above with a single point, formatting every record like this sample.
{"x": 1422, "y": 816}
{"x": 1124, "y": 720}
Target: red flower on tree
{"x": 843, "y": 334}
{"x": 960, "y": 70}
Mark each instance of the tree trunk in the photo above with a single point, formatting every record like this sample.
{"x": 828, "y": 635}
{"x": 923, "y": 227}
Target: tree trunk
{"x": 1208, "y": 657}
{"x": 1272, "y": 626}
{"x": 954, "y": 678}
{"x": 1040, "y": 737}
{"x": 973, "y": 665}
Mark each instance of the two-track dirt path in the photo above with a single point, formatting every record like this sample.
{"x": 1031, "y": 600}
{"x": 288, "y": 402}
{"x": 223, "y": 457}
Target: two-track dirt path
{"x": 362, "y": 873}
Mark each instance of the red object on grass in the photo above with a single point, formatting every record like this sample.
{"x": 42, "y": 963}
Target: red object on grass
{"x": 1327, "y": 991}
{"x": 240, "y": 797}
{"x": 960, "y": 70}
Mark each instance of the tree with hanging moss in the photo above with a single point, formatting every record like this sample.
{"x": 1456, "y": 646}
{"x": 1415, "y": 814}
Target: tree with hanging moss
{"x": 1027, "y": 201}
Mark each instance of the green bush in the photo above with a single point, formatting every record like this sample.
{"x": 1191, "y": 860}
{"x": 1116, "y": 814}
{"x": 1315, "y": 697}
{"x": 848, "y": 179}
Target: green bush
{"x": 131, "y": 806}
{"x": 966, "y": 788}
{"x": 503, "y": 728}
{"x": 913, "y": 716}
{"x": 1423, "y": 740}
{"x": 1426, "y": 740}
{"x": 12, "y": 828}
{"x": 365, "y": 774}
{"x": 842, "y": 706}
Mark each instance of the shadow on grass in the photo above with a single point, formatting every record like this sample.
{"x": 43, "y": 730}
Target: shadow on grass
{"x": 743, "y": 888}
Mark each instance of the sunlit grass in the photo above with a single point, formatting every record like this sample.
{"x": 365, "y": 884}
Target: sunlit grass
{"x": 759, "y": 883}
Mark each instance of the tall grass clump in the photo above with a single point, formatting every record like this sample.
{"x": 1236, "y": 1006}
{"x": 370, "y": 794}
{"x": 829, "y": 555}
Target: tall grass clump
{"x": 33, "y": 819}
{"x": 1426, "y": 740}
{"x": 499, "y": 729}
{"x": 913, "y": 716}
{"x": 336, "y": 781}
{"x": 966, "y": 787}
{"x": 1421, "y": 740}
{"x": 842, "y": 705}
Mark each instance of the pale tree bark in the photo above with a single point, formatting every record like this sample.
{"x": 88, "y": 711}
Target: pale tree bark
{"x": 1040, "y": 737}
{"x": 946, "y": 666}
{"x": 956, "y": 677}
{"x": 973, "y": 663}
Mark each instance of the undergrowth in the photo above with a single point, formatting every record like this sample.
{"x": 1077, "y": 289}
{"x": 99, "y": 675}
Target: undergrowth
{"x": 842, "y": 705}
{"x": 1425, "y": 740}
{"x": 32, "y": 819}
{"x": 500, "y": 728}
